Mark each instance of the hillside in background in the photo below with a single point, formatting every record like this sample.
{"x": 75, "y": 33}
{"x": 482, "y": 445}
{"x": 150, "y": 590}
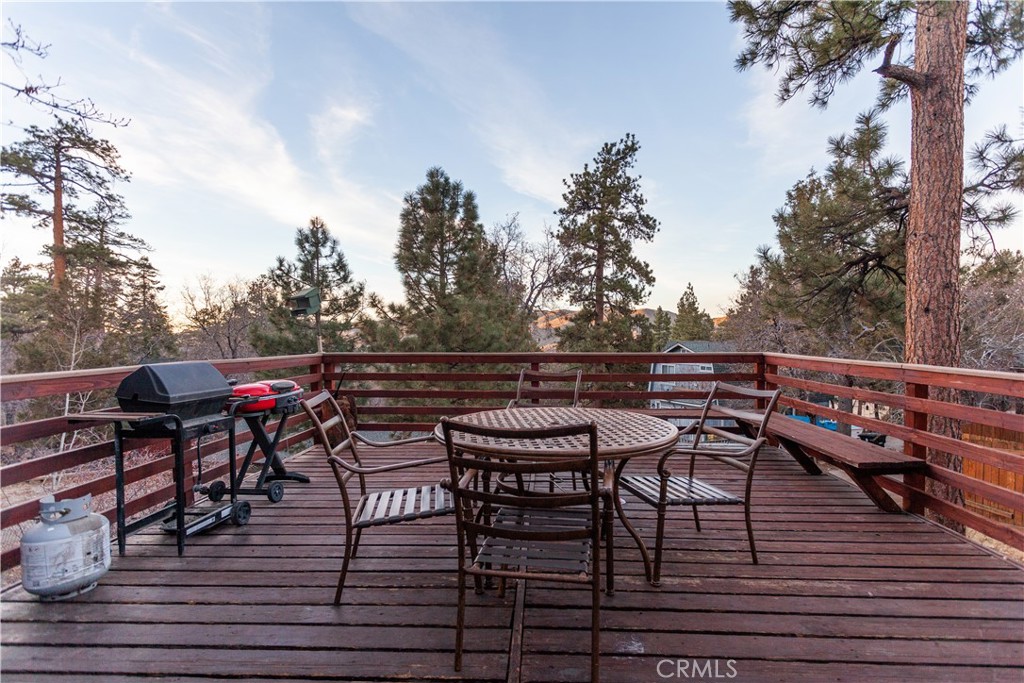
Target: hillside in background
{"x": 545, "y": 328}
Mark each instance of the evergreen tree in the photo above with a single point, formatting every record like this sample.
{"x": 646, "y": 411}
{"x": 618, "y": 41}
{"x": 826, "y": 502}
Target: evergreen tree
{"x": 603, "y": 216}
{"x": 319, "y": 263}
{"x": 840, "y": 268}
{"x": 103, "y": 307}
{"x": 692, "y": 322}
{"x": 455, "y": 297}
{"x": 50, "y": 174}
{"x": 661, "y": 329}
{"x": 823, "y": 44}
{"x": 24, "y": 291}
{"x": 754, "y": 323}
{"x": 143, "y": 327}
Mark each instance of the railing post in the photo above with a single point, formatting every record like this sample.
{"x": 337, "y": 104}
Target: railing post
{"x": 763, "y": 369}
{"x": 918, "y": 421}
{"x": 316, "y": 385}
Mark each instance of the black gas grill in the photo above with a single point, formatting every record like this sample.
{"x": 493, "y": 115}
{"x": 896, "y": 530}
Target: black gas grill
{"x": 181, "y": 402}
{"x": 189, "y": 390}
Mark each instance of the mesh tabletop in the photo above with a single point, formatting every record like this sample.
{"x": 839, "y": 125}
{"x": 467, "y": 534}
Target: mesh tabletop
{"x": 620, "y": 433}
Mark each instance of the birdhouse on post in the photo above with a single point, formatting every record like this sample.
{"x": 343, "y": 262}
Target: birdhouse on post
{"x": 305, "y": 302}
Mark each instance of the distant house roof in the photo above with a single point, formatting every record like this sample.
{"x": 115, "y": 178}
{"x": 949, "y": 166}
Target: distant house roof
{"x": 695, "y": 346}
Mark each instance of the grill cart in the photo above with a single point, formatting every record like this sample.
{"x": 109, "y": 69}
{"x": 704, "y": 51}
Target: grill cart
{"x": 181, "y": 402}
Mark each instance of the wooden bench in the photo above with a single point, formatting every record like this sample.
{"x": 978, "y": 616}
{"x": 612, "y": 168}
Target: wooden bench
{"x": 860, "y": 460}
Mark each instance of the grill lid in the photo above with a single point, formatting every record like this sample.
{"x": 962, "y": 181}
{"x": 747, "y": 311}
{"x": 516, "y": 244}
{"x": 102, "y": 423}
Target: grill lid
{"x": 188, "y": 390}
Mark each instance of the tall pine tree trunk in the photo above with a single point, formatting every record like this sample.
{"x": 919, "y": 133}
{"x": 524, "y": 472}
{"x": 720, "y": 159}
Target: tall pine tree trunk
{"x": 60, "y": 263}
{"x": 936, "y": 196}
{"x": 599, "y": 280}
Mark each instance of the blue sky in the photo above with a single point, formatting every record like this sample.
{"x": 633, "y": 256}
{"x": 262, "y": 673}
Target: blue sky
{"x": 247, "y": 119}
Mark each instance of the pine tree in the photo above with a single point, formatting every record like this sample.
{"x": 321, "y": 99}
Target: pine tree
{"x": 823, "y": 44}
{"x": 319, "y": 263}
{"x": 50, "y": 173}
{"x": 661, "y": 329}
{"x": 455, "y": 299}
{"x": 144, "y": 330}
{"x": 692, "y": 322}
{"x": 602, "y": 218}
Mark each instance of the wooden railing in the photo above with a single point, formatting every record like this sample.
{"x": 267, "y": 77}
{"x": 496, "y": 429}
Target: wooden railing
{"x": 410, "y": 392}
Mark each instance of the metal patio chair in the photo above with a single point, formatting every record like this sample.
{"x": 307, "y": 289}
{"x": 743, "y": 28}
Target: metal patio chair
{"x": 376, "y": 508}
{"x": 535, "y": 388}
{"x": 528, "y": 535}
{"x": 663, "y": 489}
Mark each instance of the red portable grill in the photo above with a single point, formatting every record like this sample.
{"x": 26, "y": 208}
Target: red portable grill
{"x": 255, "y": 403}
{"x": 281, "y": 397}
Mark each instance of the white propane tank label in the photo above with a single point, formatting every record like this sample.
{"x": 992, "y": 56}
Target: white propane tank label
{"x": 64, "y": 559}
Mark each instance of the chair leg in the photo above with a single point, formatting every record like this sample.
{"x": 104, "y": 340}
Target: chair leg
{"x": 750, "y": 533}
{"x": 696, "y": 517}
{"x": 659, "y": 542}
{"x": 460, "y": 620}
{"x": 349, "y": 552}
{"x": 595, "y": 632}
{"x": 355, "y": 545}
{"x": 609, "y": 548}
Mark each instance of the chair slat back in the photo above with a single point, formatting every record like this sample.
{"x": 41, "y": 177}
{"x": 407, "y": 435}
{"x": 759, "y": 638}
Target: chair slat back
{"x": 471, "y": 497}
{"x": 332, "y": 431}
{"x": 763, "y": 400}
{"x": 538, "y": 387}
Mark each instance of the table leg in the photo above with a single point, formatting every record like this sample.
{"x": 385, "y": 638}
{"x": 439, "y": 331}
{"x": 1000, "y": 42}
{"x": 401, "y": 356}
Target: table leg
{"x": 648, "y": 569}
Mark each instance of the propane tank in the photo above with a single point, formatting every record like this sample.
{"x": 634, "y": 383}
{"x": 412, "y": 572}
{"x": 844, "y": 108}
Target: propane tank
{"x": 67, "y": 551}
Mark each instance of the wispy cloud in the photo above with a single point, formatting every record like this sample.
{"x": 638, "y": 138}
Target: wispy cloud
{"x": 462, "y": 56}
{"x": 198, "y": 123}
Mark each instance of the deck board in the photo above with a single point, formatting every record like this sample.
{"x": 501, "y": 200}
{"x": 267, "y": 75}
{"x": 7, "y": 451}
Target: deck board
{"x": 844, "y": 592}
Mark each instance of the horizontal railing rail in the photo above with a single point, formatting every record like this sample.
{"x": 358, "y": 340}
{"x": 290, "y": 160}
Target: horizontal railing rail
{"x": 410, "y": 392}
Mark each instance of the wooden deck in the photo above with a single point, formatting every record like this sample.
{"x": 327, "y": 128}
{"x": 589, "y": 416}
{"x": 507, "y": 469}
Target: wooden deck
{"x": 844, "y": 592}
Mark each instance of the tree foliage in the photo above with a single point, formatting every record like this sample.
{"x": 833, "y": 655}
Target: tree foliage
{"x": 37, "y": 92}
{"x": 220, "y": 318}
{"x": 455, "y": 296}
{"x": 62, "y": 178}
{"x": 661, "y": 329}
{"x": 320, "y": 263}
{"x": 817, "y": 46}
{"x": 603, "y": 216}
{"x": 841, "y": 268}
{"x": 755, "y": 323}
{"x": 820, "y": 45}
{"x": 528, "y": 271}
{"x": 955, "y": 44}
{"x": 692, "y": 322}
{"x": 993, "y": 313}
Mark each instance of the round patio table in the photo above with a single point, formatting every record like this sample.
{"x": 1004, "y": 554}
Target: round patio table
{"x": 621, "y": 435}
